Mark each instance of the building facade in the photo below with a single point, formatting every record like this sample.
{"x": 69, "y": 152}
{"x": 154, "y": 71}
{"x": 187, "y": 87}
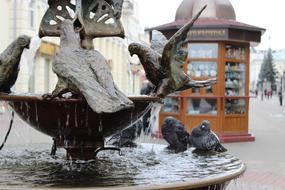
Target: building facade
{"x": 36, "y": 76}
{"x": 20, "y": 17}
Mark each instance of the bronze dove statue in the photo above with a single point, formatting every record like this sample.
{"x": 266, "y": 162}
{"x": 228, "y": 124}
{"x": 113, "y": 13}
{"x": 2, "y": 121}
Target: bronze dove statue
{"x": 9, "y": 62}
{"x": 164, "y": 65}
{"x": 86, "y": 72}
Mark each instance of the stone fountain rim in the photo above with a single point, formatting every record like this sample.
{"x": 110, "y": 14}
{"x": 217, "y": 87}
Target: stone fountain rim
{"x": 39, "y": 98}
{"x": 220, "y": 179}
{"x": 199, "y": 183}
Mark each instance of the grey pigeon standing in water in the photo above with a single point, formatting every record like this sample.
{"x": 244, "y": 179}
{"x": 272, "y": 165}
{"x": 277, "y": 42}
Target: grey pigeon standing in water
{"x": 126, "y": 137}
{"x": 202, "y": 138}
{"x": 9, "y": 62}
{"x": 174, "y": 132}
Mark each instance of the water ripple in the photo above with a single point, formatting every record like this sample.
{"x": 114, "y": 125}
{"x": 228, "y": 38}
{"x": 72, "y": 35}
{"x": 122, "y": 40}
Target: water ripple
{"x": 147, "y": 164}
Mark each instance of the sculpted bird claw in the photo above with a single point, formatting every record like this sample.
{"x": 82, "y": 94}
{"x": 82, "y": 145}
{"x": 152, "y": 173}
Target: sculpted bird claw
{"x": 198, "y": 84}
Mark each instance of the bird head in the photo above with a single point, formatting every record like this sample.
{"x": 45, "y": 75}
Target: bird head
{"x": 24, "y": 41}
{"x": 205, "y": 126}
{"x": 134, "y": 48}
{"x": 68, "y": 37}
{"x": 169, "y": 121}
{"x": 202, "y": 129}
{"x": 67, "y": 27}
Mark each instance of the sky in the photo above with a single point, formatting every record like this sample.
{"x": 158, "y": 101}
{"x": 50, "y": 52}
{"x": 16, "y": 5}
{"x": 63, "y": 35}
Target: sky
{"x": 265, "y": 14}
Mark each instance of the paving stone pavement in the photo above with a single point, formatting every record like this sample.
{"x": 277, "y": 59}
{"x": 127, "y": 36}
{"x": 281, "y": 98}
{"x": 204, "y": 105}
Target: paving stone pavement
{"x": 265, "y": 158}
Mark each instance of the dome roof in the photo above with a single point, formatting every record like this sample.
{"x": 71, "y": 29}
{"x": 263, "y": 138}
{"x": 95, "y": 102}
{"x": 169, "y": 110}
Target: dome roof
{"x": 221, "y": 9}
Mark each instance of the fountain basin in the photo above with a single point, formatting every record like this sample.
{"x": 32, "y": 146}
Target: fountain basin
{"x": 149, "y": 166}
{"x": 72, "y": 123}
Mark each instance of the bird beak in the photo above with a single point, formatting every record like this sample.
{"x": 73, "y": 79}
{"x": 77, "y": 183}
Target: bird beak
{"x": 28, "y": 46}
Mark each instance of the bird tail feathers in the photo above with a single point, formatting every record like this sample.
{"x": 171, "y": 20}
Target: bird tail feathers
{"x": 220, "y": 148}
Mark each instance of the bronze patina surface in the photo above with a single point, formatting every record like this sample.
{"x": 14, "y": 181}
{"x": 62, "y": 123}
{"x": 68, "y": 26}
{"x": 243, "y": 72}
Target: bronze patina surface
{"x": 9, "y": 62}
{"x": 86, "y": 72}
{"x": 165, "y": 71}
{"x": 94, "y": 18}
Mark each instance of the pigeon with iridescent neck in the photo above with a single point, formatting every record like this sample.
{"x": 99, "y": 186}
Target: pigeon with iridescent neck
{"x": 203, "y": 138}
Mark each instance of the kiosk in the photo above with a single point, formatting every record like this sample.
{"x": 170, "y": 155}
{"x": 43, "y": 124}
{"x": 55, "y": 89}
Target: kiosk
{"x": 219, "y": 46}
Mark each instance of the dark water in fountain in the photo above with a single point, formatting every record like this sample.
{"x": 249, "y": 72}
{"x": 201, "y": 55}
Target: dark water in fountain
{"x": 32, "y": 166}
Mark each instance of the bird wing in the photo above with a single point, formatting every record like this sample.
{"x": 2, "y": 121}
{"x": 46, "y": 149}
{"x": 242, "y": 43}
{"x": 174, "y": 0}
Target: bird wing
{"x": 173, "y": 49}
{"x": 211, "y": 141}
{"x": 73, "y": 67}
{"x": 169, "y": 134}
{"x": 98, "y": 66}
{"x": 182, "y": 134}
{"x": 158, "y": 41}
{"x": 218, "y": 147}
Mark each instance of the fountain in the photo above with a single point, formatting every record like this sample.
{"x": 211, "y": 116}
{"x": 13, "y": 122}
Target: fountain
{"x": 86, "y": 106}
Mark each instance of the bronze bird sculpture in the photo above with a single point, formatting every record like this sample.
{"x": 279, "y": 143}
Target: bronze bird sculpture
{"x": 165, "y": 69}
{"x": 9, "y": 62}
{"x": 86, "y": 72}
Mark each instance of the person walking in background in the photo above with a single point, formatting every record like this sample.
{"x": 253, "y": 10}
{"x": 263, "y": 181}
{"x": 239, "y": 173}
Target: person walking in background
{"x": 280, "y": 97}
{"x": 265, "y": 93}
{"x": 270, "y": 93}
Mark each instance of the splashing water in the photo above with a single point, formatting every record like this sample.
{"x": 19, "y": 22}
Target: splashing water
{"x": 31, "y": 53}
{"x": 154, "y": 118}
{"x": 37, "y": 115}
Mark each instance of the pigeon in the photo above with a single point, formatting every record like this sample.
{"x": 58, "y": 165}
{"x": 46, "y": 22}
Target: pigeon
{"x": 126, "y": 137}
{"x": 202, "y": 138}
{"x": 9, "y": 62}
{"x": 163, "y": 61}
{"x": 146, "y": 89}
{"x": 174, "y": 132}
{"x": 85, "y": 72}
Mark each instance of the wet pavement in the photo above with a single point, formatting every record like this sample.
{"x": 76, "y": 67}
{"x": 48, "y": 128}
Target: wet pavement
{"x": 265, "y": 158}
{"x": 21, "y": 133}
